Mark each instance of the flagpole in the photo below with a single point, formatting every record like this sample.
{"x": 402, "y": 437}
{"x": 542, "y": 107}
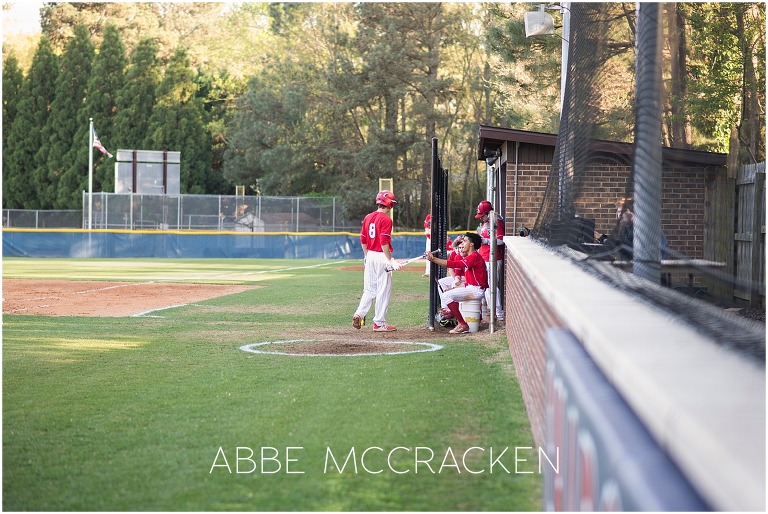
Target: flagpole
{"x": 90, "y": 173}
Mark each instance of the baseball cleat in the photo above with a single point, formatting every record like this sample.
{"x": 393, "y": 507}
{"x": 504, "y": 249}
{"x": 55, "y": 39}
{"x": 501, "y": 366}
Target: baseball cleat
{"x": 357, "y": 321}
{"x": 383, "y": 328}
{"x": 460, "y": 329}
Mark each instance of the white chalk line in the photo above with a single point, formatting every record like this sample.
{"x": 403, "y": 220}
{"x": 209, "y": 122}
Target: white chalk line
{"x": 148, "y": 314}
{"x": 251, "y": 348}
{"x": 85, "y": 291}
{"x": 295, "y": 268}
{"x": 132, "y": 284}
{"x": 232, "y": 275}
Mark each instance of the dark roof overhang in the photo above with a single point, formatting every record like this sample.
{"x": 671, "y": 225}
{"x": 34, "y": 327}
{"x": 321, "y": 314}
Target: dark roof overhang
{"x": 495, "y": 137}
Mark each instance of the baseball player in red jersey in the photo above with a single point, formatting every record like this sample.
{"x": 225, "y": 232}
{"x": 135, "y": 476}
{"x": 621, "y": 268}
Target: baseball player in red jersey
{"x": 376, "y": 240}
{"x": 455, "y": 278}
{"x": 484, "y": 230}
{"x": 475, "y": 276}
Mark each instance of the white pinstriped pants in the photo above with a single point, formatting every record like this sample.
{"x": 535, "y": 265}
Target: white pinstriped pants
{"x": 377, "y": 284}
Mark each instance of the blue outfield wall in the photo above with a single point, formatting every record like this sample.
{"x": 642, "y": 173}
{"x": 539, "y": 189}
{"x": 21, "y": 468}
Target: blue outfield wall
{"x": 184, "y": 244}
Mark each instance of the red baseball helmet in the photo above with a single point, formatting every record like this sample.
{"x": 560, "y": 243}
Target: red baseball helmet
{"x": 483, "y": 208}
{"x": 386, "y": 198}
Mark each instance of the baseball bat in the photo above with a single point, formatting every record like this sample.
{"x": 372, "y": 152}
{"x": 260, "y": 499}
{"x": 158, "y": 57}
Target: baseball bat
{"x": 413, "y": 259}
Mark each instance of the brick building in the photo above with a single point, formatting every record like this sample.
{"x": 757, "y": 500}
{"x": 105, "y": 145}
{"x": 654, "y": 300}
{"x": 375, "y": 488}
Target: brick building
{"x": 641, "y": 354}
{"x": 688, "y": 180}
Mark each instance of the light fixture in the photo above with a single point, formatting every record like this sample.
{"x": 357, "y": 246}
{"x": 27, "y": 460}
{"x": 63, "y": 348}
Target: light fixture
{"x": 539, "y": 23}
{"x": 491, "y": 155}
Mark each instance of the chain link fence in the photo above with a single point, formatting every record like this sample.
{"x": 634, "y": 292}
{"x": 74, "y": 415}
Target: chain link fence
{"x": 192, "y": 212}
{"x": 26, "y": 218}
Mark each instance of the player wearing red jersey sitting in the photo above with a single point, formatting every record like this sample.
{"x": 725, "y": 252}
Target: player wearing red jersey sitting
{"x": 472, "y": 266}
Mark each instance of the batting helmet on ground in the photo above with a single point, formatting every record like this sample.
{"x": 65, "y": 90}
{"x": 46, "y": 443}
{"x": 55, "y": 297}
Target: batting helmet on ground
{"x": 386, "y": 198}
{"x": 483, "y": 208}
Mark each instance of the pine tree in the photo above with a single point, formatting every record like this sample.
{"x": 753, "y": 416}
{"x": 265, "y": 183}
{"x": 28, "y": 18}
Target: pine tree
{"x": 107, "y": 78}
{"x": 136, "y": 98}
{"x": 178, "y": 124}
{"x": 13, "y": 79}
{"x": 22, "y": 184}
{"x": 66, "y": 185}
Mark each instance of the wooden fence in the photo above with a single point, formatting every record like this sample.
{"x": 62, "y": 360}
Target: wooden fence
{"x": 749, "y": 236}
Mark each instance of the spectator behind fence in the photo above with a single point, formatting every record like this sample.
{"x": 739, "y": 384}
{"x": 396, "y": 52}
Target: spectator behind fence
{"x": 625, "y": 230}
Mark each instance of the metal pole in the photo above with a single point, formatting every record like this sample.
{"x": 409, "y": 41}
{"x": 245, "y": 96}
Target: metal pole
{"x": 90, "y": 172}
{"x": 434, "y": 295}
{"x": 647, "y": 160}
{"x": 514, "y": 202}
{"x": 489, "y": 182}
{"x": 565, "y": 10}
{"x": 492, "y": 282}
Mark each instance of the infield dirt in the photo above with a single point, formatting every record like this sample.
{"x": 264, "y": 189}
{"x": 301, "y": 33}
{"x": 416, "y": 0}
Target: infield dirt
{"x": 102, "y": 299}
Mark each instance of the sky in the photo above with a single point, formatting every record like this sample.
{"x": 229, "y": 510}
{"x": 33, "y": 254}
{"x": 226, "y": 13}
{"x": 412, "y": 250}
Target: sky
{"x": 24, "y": 17}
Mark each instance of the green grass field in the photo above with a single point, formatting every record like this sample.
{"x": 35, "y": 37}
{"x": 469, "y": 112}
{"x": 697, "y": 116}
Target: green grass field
{"x": 131, "y": 413}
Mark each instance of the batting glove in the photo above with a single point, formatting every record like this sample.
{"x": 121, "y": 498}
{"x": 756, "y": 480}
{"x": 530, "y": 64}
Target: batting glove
{"x": 394, "y": 264}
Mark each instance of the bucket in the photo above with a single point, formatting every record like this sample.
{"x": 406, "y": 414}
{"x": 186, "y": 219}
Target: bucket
{"x": 470, "y": 310}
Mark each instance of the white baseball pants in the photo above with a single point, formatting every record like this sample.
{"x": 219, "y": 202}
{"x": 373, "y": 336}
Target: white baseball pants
{"x": 377, "y": 284}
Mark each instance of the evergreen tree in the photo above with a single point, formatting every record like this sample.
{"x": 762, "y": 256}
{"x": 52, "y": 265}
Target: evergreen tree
{"x": 65, "y": 184}
{"x": 13, "y": 79}
{"x": 219, "y": 92}
{"x": 178, "y": 124}
{"x": 136, "y": 98}
{"x": 269, "y": 140}
{"x": 22, "y": 184}
{"x": 107, "y": 78}
{"x": 401, "y": 45}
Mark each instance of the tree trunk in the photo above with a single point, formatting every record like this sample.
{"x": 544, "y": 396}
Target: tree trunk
{"x": 679, "y": 123}
{"x": 749, "y": 132}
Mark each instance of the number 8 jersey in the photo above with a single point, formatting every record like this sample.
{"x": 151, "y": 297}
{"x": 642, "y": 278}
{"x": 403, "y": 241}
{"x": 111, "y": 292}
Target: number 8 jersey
{"x": 376, "y": 231}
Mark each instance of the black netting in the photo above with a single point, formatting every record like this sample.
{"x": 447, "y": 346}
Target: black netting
{"x": 565, "y": 217}
{"x": 605, "y": 41}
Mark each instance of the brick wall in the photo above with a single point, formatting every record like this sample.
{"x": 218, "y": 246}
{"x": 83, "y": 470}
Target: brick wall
{"x": 528, "y": 316}
{"x": 531, "y": 184}
{"x": 682, "y": 204}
